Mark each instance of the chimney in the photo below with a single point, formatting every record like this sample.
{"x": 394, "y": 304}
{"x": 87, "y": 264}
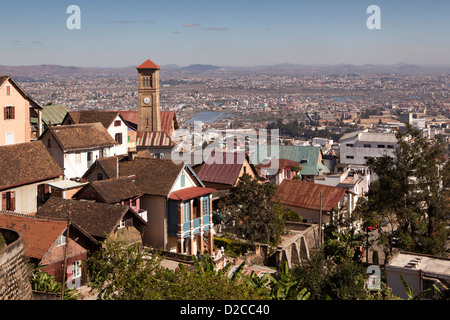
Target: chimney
{"x": 131, "y": 155}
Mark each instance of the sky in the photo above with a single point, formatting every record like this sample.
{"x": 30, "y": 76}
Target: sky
{"x": 224, "y": 33}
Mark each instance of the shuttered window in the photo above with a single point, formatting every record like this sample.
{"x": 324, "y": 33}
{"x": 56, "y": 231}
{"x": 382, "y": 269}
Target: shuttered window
{"x": 9, "y": 201}
{"x": 9, "y": 113}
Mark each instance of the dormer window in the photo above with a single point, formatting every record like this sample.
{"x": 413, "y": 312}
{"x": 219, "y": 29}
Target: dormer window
{"x": 62, "y": 239}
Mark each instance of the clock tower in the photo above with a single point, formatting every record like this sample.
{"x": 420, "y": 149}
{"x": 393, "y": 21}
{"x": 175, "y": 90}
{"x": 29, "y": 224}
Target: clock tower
{"x": 149, "y": 118}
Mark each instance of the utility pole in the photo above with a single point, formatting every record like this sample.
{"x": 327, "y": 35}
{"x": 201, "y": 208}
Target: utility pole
{"x": 65, "y": 257}
{"x": 320, "y": 221}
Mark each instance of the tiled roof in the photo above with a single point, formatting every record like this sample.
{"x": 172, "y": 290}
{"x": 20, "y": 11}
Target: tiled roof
{"x": 98, "y": 219}
{"x": 307, "y": 194}
{"x": 190, "y": 193}
{"x": 39, "y": 234}
{"x": 82, "y": 136}
{"x": 25, "y": 163}
{"x": 148, "y": 64}
{"x": 116, "y": 189}
{"x": 221, "y": 170}
{"x": 154, "y": 176}
{"x": 91, "y": 116}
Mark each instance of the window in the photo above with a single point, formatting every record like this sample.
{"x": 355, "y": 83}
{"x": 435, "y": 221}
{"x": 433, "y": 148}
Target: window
{"x": 76, "y": 268}
{"x": 118, "y": 138}
{"x": 8, "y": 201}
{"x": 349, "y": 157}
{"x": 381, "y": 146}
{"x": 205, "y": 206}
{"x": 99, "y": 176}
{"x": 186, "y": 211}
{"x": 390, "y": 146}
{"x": 349, "y": 144}
{"x": 8, "y": 90}
{"x": 367, "y": 146}
{"x": 122, "y": 223}
{"x": 182, "y": 180}
{"x": 117, "y": 123}
{"x": 62, "y": 239}
{"x": 9, "y": 113}
{"x": 77, "y": 157}
{"x": 9, "y": 138}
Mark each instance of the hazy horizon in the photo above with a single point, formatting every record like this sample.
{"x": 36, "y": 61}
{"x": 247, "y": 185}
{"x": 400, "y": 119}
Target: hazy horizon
{"x": 241, "y": 33}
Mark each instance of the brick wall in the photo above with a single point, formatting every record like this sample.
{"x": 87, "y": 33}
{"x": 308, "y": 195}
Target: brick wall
{"x": 14, "y": 272}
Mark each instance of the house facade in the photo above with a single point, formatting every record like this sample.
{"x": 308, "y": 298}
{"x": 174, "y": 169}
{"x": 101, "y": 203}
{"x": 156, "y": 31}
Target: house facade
{"x": 178, "y": 204}
{"x": 284, "y": 170}
{"x": 17, "y": 107}
{"x": 26, "y": 169}
{"x": 358, "y": 147}
{"x": 76, "y": 147}
{"x": 113, "y": 122}
{"x": 47, "y": 242}
{"x": 99, "y": 220}
{"x": 314, "y": 202}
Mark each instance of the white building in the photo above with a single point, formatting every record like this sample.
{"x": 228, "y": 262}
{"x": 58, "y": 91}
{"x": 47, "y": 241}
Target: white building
{"x": 111, "y": 120}
{"x": 76, "y": 147}
{"x": 357, "y": 147}
{"x": 419, "y": 271}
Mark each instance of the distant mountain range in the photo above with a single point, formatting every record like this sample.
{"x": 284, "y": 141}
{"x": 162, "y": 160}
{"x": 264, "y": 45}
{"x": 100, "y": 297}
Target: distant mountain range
{"x": 206, "y": 69}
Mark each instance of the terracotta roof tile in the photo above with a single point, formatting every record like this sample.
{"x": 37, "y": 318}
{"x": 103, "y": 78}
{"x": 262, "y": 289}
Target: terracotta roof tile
{"x": 39, "y": 234}
{"x": 26, "y": 162}
{"x": 148, "y": 64}
{"x": 82, "y": 136}
{"x": 98, "y": 219}
{"x": 91, "y": 116}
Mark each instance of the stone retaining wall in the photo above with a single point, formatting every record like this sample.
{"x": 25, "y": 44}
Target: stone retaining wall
{"x": 14, "y": 272}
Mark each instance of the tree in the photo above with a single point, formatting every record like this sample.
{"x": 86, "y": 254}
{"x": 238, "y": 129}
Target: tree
{"x": 251, "y": 213}
{"x": 409, "y": 196}
{"x": 122, "y": 272}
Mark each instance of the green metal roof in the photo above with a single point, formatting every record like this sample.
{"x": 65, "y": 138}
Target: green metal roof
{"x": 308, "y": 156}
{"x": 54, "y": 113}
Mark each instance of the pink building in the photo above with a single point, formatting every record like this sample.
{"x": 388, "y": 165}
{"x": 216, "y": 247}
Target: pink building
{"x": 17, "y": 108}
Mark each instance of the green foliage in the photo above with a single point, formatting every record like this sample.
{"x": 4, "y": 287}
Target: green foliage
{"x": 121, "y": 272}
{"x": 42, "y": 281}
{"x": 291, "y": 215}
{"x": 409, "y": 197}
{"x": 251, "y": 213}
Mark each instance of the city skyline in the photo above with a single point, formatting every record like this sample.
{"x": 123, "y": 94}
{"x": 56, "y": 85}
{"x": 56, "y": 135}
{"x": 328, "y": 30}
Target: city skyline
{"x": 232, "y": 33}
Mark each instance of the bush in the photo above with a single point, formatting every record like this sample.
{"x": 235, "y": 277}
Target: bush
{"x": 291, "y": 215}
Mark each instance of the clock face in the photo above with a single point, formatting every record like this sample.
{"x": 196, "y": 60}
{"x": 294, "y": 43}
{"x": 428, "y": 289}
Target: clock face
{"x": 146, "y": 100}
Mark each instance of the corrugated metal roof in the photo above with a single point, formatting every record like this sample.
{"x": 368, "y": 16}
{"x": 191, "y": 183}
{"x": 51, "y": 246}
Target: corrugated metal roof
{"x": 190, "y": 193}
{"x": 153, "y": 139}
{"x": 307, "y": 194}
{"x": 54, "y": 113}
{"x": 224, "y": 170}
{"x": 308, "y": 157}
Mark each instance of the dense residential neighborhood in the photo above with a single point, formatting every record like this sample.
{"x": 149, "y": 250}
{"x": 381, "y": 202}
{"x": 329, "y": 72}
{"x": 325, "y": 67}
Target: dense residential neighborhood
{"x": 79, "y": 188}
